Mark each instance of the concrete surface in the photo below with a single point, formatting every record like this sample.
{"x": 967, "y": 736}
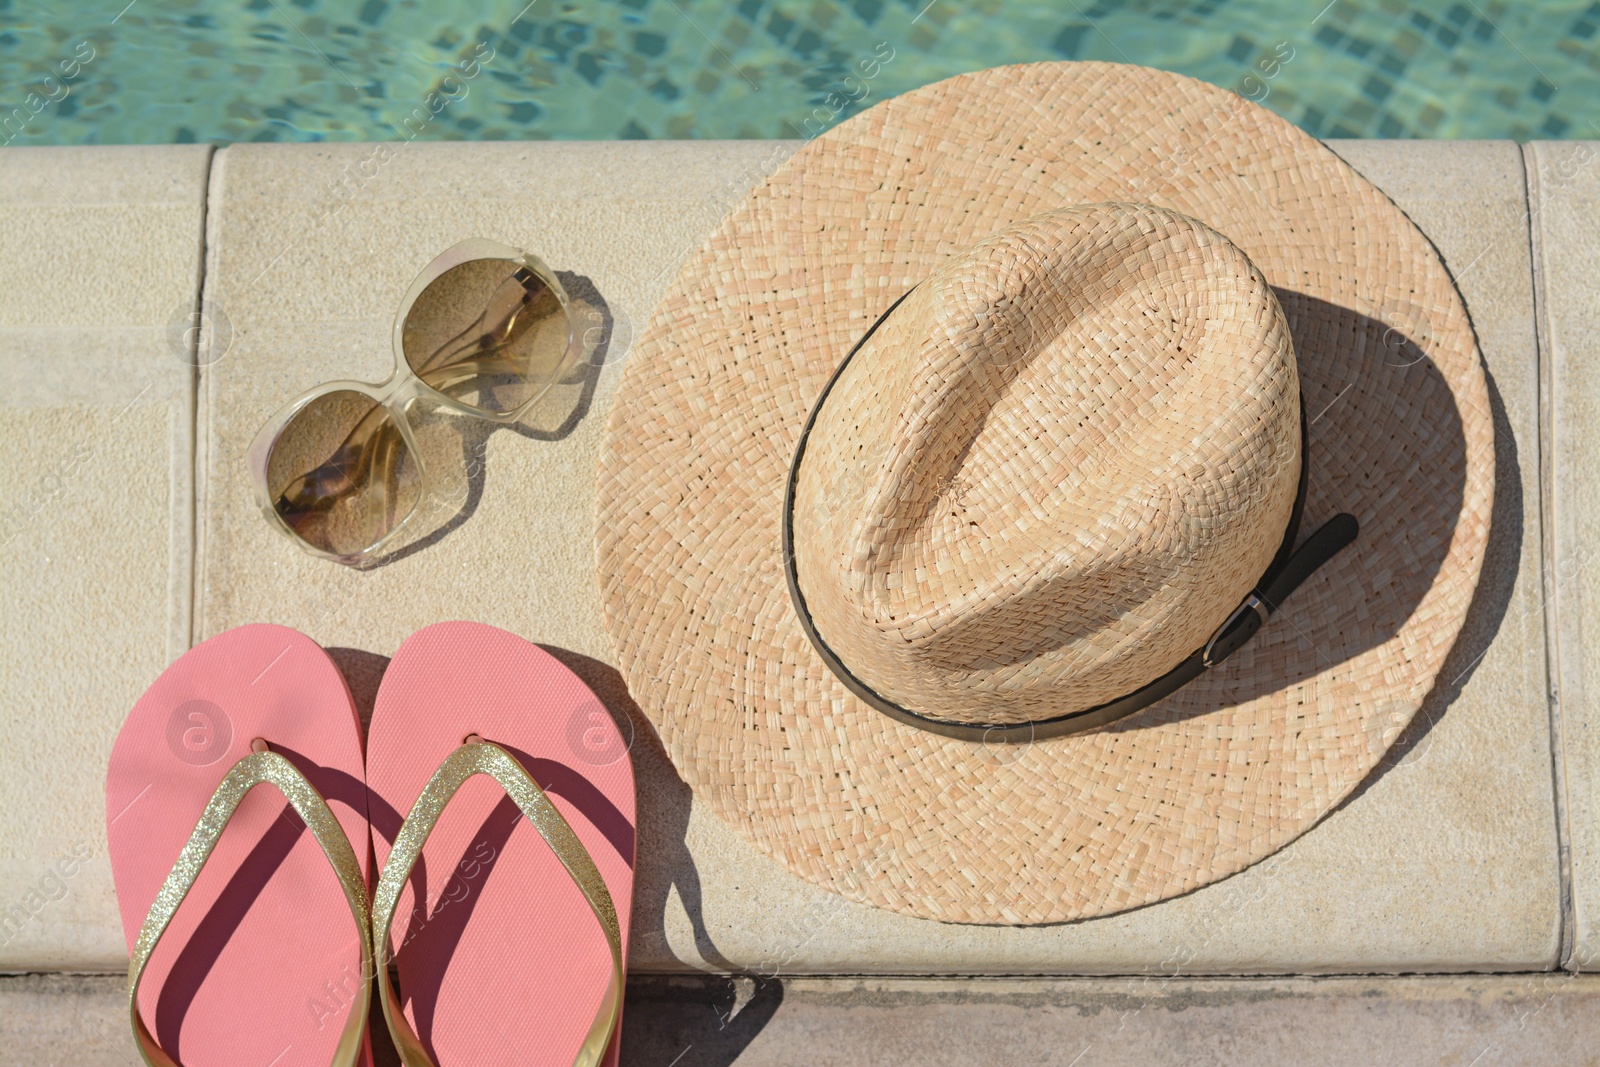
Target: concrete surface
{"x": 1528, "y": 1019}
{"x": 1565, "y": 203}
{"x": 99, "y": 255}
{"x": 1447, "y": 859}
{"x": 1397, "y": 880}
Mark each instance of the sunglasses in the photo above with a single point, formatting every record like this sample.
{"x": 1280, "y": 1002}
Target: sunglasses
{"x": 484, "y": 331}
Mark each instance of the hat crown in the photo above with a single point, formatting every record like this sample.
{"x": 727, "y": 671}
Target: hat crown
{"x": 1053, "y": 470}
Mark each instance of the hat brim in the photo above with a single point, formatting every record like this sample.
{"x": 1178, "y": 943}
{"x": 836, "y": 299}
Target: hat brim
{"x": 1217, "y": 776}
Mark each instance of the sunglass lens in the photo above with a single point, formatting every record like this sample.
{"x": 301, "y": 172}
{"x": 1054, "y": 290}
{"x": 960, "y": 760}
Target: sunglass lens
{"x": 489, "y": 333}
{"x": 340, "y": 475}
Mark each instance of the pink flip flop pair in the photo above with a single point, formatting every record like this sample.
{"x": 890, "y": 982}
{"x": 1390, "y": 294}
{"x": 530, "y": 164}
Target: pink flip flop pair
{"x": 495, "y": 796}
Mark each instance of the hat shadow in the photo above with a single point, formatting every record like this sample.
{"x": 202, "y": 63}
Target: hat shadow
{"x": 456, "y": 449}
{"x": 1331, "y": 619}
{"x": 1487, "y": 610}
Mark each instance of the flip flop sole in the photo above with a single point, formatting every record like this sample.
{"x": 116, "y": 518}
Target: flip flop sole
{"x": 502, "y": 960}
{"x": 263, "y": 954}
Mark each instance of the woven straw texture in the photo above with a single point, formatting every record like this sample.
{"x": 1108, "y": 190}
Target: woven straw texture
{"x": 1227, "y": 770}
{"x": 1054, "y": 470}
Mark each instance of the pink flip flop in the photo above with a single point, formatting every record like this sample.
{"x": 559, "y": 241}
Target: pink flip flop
{"x": 246, "y": 917}
{"x": 508, "y": 917}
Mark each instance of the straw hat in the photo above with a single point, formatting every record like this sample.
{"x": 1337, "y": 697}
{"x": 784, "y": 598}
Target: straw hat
{"x": 1044, "y": 374}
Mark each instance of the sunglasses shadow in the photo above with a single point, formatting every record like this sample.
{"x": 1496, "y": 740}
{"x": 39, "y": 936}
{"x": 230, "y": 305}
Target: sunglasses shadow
{"x": 461, "y": 478}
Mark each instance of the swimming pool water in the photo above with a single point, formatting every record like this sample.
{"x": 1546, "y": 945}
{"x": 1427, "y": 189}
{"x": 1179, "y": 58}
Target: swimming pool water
{"x": 157, "y": 71}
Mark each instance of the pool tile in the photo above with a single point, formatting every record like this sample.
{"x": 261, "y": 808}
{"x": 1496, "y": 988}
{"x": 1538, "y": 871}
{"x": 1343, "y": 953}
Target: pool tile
{"x": 1565, "y": 179}
{"x": 99, "y": 254}
{"x": 249, "y": 74}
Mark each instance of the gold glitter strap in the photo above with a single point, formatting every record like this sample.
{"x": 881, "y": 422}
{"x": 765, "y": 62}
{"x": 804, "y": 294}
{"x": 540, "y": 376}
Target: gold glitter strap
{"x": 257, "y": 769}
{"x": 494, "y": 761}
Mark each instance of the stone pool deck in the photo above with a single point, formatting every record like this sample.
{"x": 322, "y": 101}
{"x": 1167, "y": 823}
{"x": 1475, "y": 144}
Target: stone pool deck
{"x": 129, "y": 533}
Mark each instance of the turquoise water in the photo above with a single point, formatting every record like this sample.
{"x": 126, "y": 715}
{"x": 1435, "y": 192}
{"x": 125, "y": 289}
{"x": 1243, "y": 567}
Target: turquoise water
{"x": 156, "y": 71}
